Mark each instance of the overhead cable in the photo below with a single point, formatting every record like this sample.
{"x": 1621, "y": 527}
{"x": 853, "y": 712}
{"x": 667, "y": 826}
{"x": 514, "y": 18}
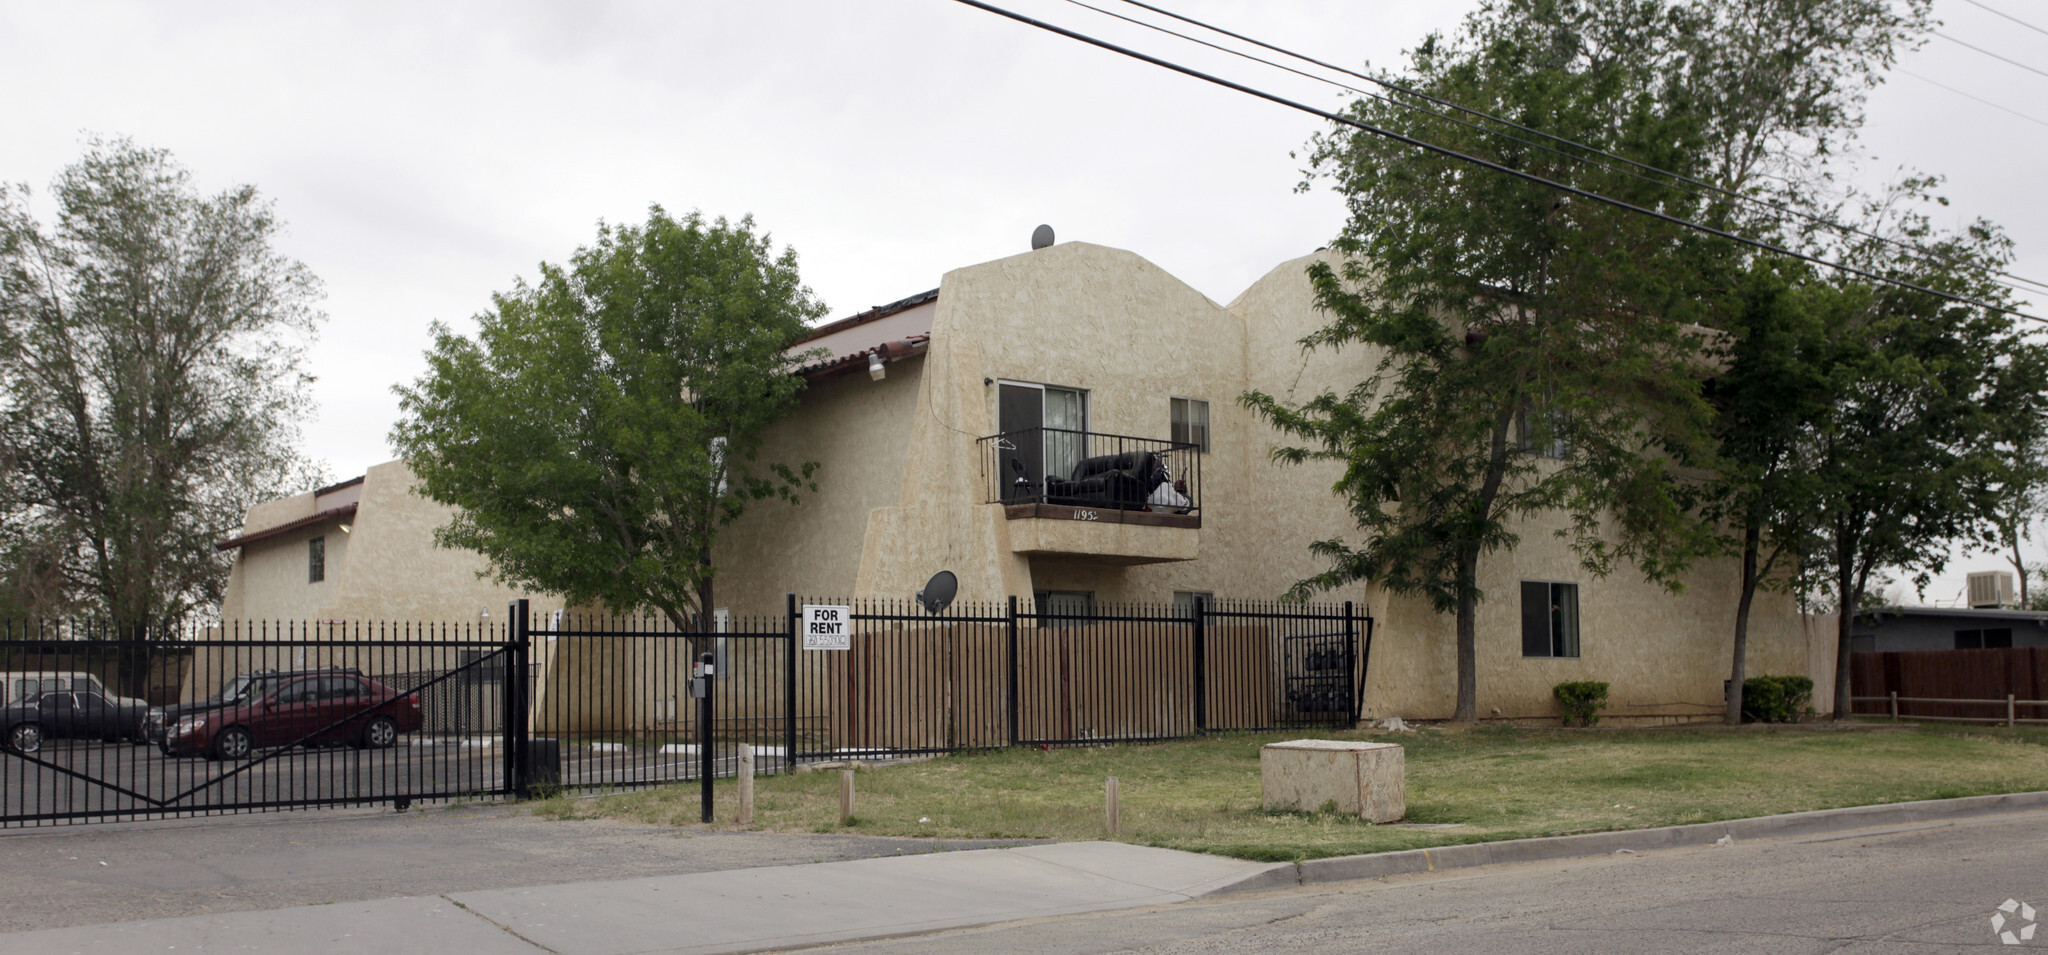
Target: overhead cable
{"x": 2008, "y": 16}
{"x": 2003, "y": 59}
{"x": 1494, "y": 166}
{"x": 1696, "y": 184}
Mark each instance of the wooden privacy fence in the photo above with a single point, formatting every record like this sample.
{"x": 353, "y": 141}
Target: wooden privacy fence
{"x": 1952, "y": 685}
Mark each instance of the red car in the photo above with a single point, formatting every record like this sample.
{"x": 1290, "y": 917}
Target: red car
{"x": 329, "y": 708}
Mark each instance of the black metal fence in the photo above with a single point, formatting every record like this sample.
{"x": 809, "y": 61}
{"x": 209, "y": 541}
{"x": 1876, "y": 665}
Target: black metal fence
{"x": 101, "y": 724}
{"x": 248, "y": 718}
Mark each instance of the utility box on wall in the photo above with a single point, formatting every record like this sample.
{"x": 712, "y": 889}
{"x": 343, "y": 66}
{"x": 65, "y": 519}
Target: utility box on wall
{"x": 1366, "y": 779}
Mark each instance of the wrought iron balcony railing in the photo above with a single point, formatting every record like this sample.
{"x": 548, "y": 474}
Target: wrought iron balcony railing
{"x": 1088, "y": 470}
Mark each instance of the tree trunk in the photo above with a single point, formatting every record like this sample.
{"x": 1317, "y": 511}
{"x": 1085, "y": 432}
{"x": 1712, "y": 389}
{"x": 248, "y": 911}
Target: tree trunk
{"x": 1845, "y": 614}
{"x": 2019, "y": 566}
{"x": 1468, "y": 640}
{"x": 1739, "y": 670}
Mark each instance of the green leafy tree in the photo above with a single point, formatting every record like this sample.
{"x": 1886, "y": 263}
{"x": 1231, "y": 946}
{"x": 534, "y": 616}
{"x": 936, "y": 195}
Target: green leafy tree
{"x": 1512, "y": 321}
{"x": 605, "y": 422}
{"x": 1773, "y": 388}
{"x": 2020, "y": 499}
{"x": 151, "y": 377}
{"x": 1526, "y": 359}
{"x": 1923, "y": 393}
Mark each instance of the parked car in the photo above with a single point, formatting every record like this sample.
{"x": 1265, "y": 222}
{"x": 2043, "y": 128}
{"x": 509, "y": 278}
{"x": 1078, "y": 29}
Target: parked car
{"x": 18, "y": 685}
{"x": 26, "y": 724}
{"x": 311, "y": 708}
{"x": 241, "y": 689}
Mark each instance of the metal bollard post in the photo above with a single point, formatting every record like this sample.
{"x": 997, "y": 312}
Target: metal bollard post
{"x": 746, "y": 781}
{"x": 700, "y": 687}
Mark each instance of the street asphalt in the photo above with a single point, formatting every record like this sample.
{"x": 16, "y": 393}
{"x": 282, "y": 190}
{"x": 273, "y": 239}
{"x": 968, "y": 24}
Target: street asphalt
{"x": 904, "y": 899}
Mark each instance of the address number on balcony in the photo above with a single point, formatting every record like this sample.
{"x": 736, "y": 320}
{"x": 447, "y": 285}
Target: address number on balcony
{"x": 1081, "y": 515}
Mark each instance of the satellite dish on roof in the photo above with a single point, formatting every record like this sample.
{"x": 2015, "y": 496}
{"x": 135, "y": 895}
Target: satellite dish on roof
{"x": 938, "y": 592}
{"x": 1041, "y": 237}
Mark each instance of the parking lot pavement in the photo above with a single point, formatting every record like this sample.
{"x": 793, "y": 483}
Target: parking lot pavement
{"x": 92, "y": 874}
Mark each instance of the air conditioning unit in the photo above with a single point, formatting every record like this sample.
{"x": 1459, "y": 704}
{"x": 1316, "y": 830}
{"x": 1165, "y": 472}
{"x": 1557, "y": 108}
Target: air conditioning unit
{"x": 1990, "y": 590}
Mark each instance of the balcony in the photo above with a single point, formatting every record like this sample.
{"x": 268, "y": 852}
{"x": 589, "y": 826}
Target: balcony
{"x": 1109, "y": 497}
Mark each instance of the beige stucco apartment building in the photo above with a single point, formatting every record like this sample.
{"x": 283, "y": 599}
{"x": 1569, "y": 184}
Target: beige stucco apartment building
{"x": 946, "y": 424}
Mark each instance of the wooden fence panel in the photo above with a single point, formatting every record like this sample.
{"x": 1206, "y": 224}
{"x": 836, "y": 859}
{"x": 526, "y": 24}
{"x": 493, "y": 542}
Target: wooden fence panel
{"x": 1244, "y": 677}
{"x": 1952, "y": 675}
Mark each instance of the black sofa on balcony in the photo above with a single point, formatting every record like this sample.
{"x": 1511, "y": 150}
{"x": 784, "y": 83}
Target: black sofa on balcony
{"x": 1121, "y": 481}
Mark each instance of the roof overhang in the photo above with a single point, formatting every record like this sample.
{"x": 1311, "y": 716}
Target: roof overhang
{"x": 330, "y": 516}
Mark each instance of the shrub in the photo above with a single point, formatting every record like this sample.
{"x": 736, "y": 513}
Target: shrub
{"x": 1775, "y": 699}
{"x": 1581, "y": 701}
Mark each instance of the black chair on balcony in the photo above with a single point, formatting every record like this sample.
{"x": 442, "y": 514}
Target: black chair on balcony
{"x": 1120, "y": 481}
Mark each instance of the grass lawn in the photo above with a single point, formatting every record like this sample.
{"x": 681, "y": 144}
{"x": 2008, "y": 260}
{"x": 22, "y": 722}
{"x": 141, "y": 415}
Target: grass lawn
{"x": 1493, "y": 782}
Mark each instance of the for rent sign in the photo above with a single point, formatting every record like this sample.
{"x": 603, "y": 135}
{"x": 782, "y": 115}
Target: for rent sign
{"x": 827, "y": 627}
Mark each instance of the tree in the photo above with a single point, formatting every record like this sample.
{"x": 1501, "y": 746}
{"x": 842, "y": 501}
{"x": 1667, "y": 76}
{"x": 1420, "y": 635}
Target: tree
{"x": 151, "y": 352}
{"x": 604, "y": 423}
{"x": 1523, "y": 347}
{"x": 2021, "y": 497}
{"x": 1923, "y": 393}
{"x": 1774, "y": 387}
{"x": 1512, "y": 318}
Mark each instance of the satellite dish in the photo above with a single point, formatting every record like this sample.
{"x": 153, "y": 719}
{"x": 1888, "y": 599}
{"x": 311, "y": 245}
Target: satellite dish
{"x": 1041, "y": 237}
{"x": 938, "y": 592}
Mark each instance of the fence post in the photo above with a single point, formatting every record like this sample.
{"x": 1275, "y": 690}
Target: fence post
{"x": 1013, "y": 670}
{"x": 708, "y": 674}
{"x": 1351, "y": 675}
{"x": 1201, "y": 670}
{"x": 2010, "y": 713}
{"x": 746, "y": 780}
{"x": 521, "y": 679}
{"x": 1895, "y": 706}
{"x": 789, "y": 688}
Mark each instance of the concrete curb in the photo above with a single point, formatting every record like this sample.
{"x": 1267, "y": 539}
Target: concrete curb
{"x": 1790, "y": 825}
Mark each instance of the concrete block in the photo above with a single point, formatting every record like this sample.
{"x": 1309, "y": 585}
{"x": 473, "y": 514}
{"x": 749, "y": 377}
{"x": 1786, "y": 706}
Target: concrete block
{"x": 1368, "y": 779}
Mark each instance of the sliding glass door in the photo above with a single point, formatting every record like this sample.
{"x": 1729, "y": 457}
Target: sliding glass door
{"x": 1043, "y": 428}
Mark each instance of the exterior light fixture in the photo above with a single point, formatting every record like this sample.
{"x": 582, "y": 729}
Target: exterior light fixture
{"x": 875, "y": 369}
{"x": 344, "y": 528}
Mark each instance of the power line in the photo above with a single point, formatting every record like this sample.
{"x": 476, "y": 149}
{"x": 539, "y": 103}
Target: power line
{"x": 2008, "y": 16}
{"x": 1494, "y": 166}
{"x": 1988, "y": 53}
{"x": 1680, "y": 178}
{"x": 1980, "y": 99}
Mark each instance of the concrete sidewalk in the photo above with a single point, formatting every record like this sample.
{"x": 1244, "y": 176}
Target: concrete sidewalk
{"x": 737, "y": 911}
{"x": 802, "y": 905}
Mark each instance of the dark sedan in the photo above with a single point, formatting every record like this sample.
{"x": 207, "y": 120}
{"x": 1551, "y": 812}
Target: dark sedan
{"x": 25, "y": 725}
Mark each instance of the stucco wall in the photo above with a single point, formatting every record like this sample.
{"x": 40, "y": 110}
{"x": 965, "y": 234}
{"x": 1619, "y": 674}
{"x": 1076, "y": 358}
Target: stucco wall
{"x": 1132, "y": 336}
{"x": 856, "y": 430}
{"x": 385, "y": 567}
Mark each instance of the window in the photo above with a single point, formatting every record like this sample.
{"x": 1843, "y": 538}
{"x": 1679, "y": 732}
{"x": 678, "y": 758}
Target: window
{"x": 1550, "y": 619}
{"x": 1996, "y": 638}
{"x": 1184, "y": 601}
{"x": 1065, "y": 608}
{"x": 1539, "y": 430}
{"x": 1191, "y": 422}
{"x": 316, "y": 560}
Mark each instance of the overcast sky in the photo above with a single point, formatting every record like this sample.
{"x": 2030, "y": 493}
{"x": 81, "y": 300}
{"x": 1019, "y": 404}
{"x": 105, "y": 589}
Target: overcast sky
{"x": 426, "y": 154}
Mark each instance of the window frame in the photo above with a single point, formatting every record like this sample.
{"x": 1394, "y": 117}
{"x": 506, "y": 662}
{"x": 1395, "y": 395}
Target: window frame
{"x": 1184, "y": 601}
{"x": 1980, "y": 638}
{"x": 1041, "y": 602}
{"x": 316, "y": 559}
{"x": 1180, "y": 427}
{"x": 1550, "y": 613}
